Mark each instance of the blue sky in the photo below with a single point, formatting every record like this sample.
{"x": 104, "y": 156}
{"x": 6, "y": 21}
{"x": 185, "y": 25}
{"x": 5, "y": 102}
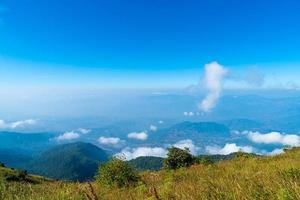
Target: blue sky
{"x": 143, "y": 43}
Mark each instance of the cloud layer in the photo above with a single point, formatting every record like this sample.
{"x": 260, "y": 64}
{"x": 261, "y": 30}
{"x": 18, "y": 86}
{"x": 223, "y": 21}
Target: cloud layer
{"x": 16, "y": 124}
{"x": 130, "y": 154}
{"x": 214, "y": 75}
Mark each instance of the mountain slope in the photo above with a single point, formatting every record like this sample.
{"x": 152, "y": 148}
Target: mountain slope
{"x": 75, "y": 161}
{"x": 147, "y": 163}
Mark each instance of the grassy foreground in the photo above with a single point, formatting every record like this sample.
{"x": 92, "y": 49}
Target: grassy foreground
{"x": 275, "y": 177}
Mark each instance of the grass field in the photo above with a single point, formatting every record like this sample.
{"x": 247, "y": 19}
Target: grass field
{"x": 267, "y": 178}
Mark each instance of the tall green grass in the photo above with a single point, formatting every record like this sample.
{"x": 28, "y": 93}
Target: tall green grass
{"x": 242, "y": 178}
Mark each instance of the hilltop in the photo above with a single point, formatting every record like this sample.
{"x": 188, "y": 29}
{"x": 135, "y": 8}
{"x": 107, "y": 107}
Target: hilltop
{"x": 74, "y": 161}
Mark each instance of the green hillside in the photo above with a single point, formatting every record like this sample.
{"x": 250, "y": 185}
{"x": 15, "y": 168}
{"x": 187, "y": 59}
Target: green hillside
{"x": 243, "y": 177}
{"x": 10, "y": 175}
{"x": 74, "y": 161}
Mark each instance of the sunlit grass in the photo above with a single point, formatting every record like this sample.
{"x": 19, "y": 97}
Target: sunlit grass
{"x": 241, "y": 178}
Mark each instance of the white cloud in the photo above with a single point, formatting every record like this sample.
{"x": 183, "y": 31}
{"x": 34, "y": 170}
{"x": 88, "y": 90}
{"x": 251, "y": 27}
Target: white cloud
{"x": 68, "y": 136}
{"x": 109, "y": 140}
{"x": 228, "y": 149}
{"x": 84, "y": 131}
{"x": 130, "y": 154}
{"x": 16, "y": 124}
{"x": 138, "y": 136}
{"x": 153, "y": 128}
{"x": 182, "y": 144}
{"x": 214, "y": 74}
{"x": 275, "y": 152}
{"x": 190, "y": 114}
{"x": 274, "y": 138}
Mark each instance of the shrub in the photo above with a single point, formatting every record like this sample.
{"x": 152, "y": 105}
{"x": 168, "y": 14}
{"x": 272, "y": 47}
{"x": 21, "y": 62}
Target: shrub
{"x": 20, "y": 175}
{"x": 178, "y": 158}
{"x": 117, "y": 172}
{"x": 2, "y": 164}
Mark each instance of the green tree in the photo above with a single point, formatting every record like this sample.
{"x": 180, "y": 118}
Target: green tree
{"x": 117, "y": 172}
{"x": 178, "y": 158}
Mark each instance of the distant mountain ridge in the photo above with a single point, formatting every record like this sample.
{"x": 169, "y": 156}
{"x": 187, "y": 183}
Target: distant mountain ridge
{"x": 29, "y": 143}
{"x": 144, "y": 163}
{"x": 196, "y": 131}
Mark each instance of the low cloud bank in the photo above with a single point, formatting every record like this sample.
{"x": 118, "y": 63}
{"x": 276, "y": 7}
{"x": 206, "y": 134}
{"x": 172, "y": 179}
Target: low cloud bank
{"x": 273, "y": 138}
{"x": 132, "y": 153}
{"x": 228, "y": 149}
{"x": 16, "y": 124}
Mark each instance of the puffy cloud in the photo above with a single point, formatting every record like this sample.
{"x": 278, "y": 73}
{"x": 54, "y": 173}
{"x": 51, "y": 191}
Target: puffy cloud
{"x": 214, "y": 75}
{"x": 138, "y": 136}
{"x": 275, "y": 152}
{"x": 153, "y": 128}
{"x": 84, "y": 131}
{"x": 130, "y": 154}
{"x": 190, "y": 114}
{"x": 16, "y": 124}
{"x": 109, "y": 140}
{"x": 182, "y": 144}
{"x": 274, "y": 138}
{"x": 228, "y": 149}
{"x": 68, "y": 136}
